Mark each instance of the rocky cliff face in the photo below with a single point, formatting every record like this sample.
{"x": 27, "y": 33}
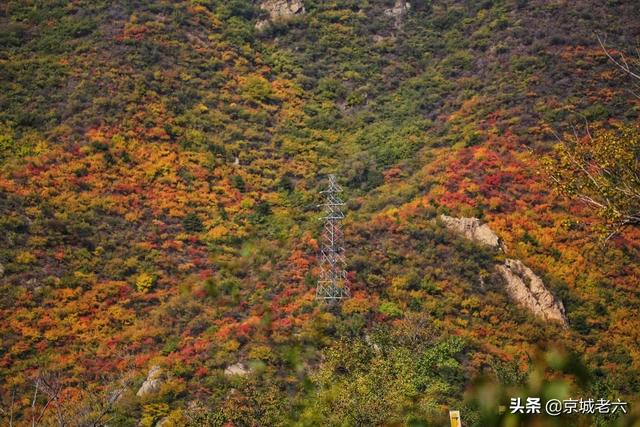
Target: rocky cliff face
{"x": 523, "y": 286}
{"x": 473, "y": 229}
{"x": 528, "y": 290}
{"x": 280, "y": 10}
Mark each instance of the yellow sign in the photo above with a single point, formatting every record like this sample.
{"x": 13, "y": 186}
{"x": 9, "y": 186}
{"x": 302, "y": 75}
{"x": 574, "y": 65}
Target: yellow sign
{"x": 454, "y": 416}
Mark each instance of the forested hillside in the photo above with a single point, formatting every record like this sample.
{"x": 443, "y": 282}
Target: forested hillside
{"x": 160, "y": 169}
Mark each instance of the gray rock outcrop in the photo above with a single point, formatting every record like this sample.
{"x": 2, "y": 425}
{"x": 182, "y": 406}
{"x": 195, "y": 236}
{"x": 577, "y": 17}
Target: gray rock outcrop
{"x": 400, "y": 8}
{"x": 152, "y": 383}
{"x": 280, "y": 10}
{"x": 473, "y": 229}
{"x": 528, "y": 290}
{"x": 522, "y": 284}
{"x": 398, "y": 11}
{"x": 237, "y": 369}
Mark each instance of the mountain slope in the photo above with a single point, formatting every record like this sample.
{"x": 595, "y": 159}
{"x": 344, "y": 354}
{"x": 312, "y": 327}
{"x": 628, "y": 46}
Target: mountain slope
{"x": 161, "y": 163}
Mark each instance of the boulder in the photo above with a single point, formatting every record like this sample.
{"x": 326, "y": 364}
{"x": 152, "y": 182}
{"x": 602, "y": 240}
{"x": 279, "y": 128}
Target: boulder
{"x": 280, "y": 10}
{"x": 473, "y": 229}
{"x": 152, "y": 383}
{"x": 528, "y": 290}
{"x": 237, "y": 369}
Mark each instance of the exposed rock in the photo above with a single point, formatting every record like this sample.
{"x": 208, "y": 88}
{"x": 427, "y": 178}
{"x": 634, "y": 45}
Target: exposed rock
{"x": 1, "y": 270}
{"x": 473, "y": 229}
{"x": 116, "y": 395}
{"x": 398, "y": 11}
{"x": 378, "y": 39}
{"x": 529, "y": 291}
{"x": 523, "y": 286}
{"x": 373, "y": 345}
{"x": 163, "y": 422}
{"x": 152, "y": 383}
{"x": 237, "y": 369}
{"x": 262, "y": 24}
{"x": 280, "y": 10}
{"x": 400, "y": 8}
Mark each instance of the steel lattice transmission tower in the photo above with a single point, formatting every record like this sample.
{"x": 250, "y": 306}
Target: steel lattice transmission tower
{"x": 332, "y": 285}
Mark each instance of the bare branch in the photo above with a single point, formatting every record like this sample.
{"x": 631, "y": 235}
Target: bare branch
{"x": 53, "y": 392}
{"x": 612, "y": 234}
{"x": 9, "y": 414}
{"x": 33, "y": 404}
{"x": 636, "y": 95}
{"x": 624, "y": 66}
{"x": 13, "y": 399}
